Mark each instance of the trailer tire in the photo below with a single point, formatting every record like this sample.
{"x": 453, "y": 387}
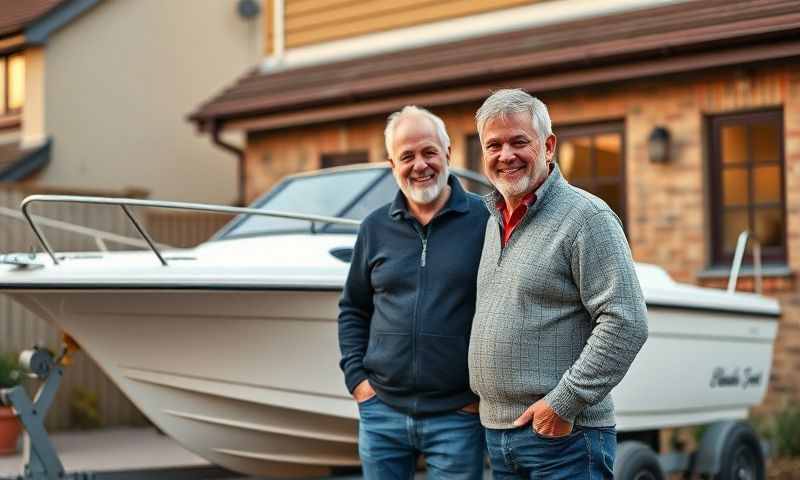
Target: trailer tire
{"x": 741, "y": 455}
{"x": 636, "y": 461}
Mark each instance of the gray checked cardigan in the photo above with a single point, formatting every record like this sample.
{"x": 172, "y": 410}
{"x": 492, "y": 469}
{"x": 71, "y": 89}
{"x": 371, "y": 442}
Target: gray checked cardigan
{"x": 559, "y": 312}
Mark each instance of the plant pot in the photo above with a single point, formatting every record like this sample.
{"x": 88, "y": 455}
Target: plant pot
{"x": 10, "y": 428}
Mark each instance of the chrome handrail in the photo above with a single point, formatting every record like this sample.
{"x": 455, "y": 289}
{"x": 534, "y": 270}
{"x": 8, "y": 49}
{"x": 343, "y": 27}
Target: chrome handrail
{"x": 100, "y": 237}
{"x": 738, "y": 256}
{"x": 124, "y": 203}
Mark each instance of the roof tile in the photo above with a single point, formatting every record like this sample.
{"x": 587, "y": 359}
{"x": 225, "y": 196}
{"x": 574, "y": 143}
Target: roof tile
{"x": 15, "y": 15}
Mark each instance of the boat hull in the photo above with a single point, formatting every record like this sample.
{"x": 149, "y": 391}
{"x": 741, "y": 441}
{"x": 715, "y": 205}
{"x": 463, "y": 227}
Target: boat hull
{"x": 250, "y": 380}
{"x": 697, "y": 367}
{"x": 247, "y": 380}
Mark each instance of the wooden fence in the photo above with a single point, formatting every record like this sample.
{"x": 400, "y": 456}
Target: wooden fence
{"x": 19, "y": 329}
{"x": 183, "y": 229}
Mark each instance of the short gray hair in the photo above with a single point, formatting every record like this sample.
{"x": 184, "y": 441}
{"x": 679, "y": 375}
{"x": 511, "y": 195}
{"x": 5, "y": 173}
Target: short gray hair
{"x": 407, "y": 111}
{"x": 514, "y": 100}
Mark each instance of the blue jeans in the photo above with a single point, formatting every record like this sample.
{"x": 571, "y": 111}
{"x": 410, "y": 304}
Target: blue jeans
{"x": 585, "y": 454}
{"x": 390, "y": 441}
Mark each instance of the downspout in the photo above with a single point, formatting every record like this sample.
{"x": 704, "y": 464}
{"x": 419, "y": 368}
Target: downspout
{"x": 215, "y": 132}
{"x": 278, "y": 39}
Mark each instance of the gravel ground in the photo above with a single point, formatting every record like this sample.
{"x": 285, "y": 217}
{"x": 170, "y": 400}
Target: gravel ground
{"x": 783, "y": 469}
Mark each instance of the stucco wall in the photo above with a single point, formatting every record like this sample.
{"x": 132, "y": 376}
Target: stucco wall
{"x": 119, "y": 82}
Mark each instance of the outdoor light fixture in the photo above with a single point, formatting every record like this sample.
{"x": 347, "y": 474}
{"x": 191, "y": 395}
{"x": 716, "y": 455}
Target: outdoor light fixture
{"x": 658, "y": 145}
{"x": 248, "y": 8}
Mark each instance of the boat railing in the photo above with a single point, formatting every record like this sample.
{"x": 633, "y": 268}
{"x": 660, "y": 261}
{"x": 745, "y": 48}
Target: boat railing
{"x": 126, "y": 203}
{"x": 101, "y": 237}
{"x": 738, "y": 256}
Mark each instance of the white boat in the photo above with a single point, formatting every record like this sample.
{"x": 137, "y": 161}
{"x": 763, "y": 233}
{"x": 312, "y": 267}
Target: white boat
{"x": 231, "y": 348}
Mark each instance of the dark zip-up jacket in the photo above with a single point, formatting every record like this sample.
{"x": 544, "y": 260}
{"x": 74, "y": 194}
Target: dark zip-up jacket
{"x": 407, "y": 307}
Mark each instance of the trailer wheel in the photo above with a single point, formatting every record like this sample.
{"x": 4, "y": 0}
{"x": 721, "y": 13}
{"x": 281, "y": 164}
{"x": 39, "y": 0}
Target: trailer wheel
{"x": 637, "y": 461}
{"x": 742, "y": 458}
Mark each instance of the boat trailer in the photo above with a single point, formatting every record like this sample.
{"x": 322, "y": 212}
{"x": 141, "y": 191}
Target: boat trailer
{"x": 41, "y": 458}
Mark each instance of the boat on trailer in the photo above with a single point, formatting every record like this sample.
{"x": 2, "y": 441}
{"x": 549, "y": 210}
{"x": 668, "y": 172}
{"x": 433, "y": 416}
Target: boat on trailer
{"x": 231, "y": 347}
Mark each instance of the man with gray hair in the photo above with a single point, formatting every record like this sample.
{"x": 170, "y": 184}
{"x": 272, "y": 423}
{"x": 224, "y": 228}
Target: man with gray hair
{"x": 560, "y": 314}
{"x": 406, "y": 312}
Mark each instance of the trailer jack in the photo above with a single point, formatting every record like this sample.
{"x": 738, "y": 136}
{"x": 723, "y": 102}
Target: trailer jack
{"x": 41, "y": 458}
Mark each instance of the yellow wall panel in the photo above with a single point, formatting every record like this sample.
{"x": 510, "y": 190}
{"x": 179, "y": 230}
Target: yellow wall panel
{"x": 268, "y": 17}
{"x": 316, "y": 21}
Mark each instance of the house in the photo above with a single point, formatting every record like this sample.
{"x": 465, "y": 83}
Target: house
{"x": 93, "y": 93}
{"x": 683, "y": 115}
{"x": 93, "y": 96}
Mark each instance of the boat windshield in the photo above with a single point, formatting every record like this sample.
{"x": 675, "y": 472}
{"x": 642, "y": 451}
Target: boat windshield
{"x": 346, "y": 194}
{"x": 349, "y": 194}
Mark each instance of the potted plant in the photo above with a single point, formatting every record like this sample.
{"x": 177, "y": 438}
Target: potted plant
{"x": 10, "y": 427}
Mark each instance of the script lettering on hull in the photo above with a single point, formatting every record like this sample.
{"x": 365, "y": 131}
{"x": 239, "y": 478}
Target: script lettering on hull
{"x": 746, "y": 377}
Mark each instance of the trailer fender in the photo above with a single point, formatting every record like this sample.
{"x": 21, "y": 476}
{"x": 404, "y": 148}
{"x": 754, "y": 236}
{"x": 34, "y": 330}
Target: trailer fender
{"x": 716, "y": 442}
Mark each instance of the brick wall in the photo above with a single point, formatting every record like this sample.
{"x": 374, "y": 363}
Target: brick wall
{"x": 668, "y": 212}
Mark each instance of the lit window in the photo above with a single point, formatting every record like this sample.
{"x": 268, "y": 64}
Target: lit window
{"x": 16, "y": 82}
{"x": 12, "y": 83}
{"x": 2, "y": 85}
{"x": 592, "y": 158}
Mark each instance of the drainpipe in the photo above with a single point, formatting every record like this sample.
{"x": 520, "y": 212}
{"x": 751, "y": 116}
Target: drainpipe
{"x": 278, "y": 39}
{"x": 215, "y": 132}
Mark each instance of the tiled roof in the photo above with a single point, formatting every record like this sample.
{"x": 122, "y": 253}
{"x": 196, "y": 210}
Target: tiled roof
{"x": 18, "y": 163}
{"x": 15, "y": 15}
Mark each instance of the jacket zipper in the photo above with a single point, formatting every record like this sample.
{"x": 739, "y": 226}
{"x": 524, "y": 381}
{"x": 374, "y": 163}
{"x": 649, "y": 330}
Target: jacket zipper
{"x": 424, "y": 234}
{"x": 502, "y": 247}
{"x": 424, "y": 250}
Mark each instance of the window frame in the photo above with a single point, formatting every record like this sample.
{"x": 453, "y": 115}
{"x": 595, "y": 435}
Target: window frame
{"x": 715, "y": 123}
{"x": 571, "y": 131}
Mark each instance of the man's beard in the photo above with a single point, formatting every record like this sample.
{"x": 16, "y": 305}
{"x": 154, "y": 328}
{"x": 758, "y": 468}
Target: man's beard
{"x": 426, "y": 195}
{"x": 514, "y": 189}
{"x": 522, "y": 185}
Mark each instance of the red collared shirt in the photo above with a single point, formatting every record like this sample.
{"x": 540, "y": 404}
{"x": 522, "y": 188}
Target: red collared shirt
{"x": 510, "y": 221}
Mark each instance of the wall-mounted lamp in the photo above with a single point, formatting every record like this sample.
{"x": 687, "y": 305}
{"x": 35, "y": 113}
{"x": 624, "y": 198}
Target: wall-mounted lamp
{"x": 248, "y": 9}
{"x": 658, "y": 145}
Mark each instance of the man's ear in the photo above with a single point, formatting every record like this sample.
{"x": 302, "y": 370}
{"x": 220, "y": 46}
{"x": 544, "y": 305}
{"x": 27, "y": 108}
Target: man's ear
{"x": 391, "y": 163}
{"x": 448, "y": 155}
{"x": 550, "y": 146}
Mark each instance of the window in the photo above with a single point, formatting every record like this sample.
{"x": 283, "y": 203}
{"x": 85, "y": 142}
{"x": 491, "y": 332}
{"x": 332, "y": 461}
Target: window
{"x": 747, "y": 183}
{"x": 592, "y": 157}
{"x": 474, "y": 153}
{"x": 12, "y": 83}
{"x": 474, "y": 162}
{"x": 341, "y": 159}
